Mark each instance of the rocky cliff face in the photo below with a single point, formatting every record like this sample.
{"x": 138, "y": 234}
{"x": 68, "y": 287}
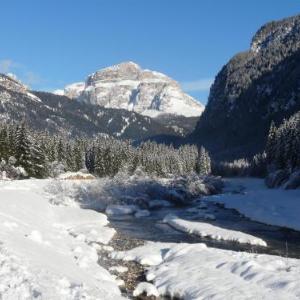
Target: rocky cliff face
{"x": 128, "y": 86}
{"x": 252, "y": 89}
{"x": 9, "y": 82}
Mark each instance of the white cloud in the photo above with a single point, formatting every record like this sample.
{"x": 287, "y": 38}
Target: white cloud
{"x": 199, "y": 85}
{"x": 14, "y": 69}
{"x": 7, "y": 65}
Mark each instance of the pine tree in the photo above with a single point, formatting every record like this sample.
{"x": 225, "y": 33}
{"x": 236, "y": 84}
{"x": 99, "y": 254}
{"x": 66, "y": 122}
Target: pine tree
{"x": 283, "y": 145}
{"x": 78, "y": 156}
{"x": 60, "y": 152}
{"x": 90, "y": 159}
{"x": 4, "y": 144}
{"x": 22, "y": 148}
{"x": 203, "y": 166}
{"x": 100, "y": 163}
{"x": 70, "y": 164}
{"x": 38, "y": 163}
{"x": 271, "y": 143}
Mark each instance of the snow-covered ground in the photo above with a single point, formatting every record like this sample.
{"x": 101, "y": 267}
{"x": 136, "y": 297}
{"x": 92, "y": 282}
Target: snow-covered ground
{"x": 49, "y": 243}
{"x": 46, "y": 250}
{"x": 194, "y": 271}
{"x": 272, "y": 206}
{"x": 204, "y": 229}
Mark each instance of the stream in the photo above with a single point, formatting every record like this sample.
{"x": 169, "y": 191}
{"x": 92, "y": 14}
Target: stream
{"x": 132, "y": 232}
{"x": 281, "y": 241}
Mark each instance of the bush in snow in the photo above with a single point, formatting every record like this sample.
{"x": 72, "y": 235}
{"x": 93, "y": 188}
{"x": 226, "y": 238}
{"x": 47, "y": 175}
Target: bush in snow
{"x": 8, "y": 170}
{"x": 293, "y": 181}
{"x": 138, "y": 190}
{"x": 87, "y": 194}
{"x": 277, "y": 178}
{"x": 283, "y": 178}
{"x": 56, "y": 168}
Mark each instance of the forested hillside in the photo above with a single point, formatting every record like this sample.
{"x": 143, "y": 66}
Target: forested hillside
{"x": 253, "y": 89}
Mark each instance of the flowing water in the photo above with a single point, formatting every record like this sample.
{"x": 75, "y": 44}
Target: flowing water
{"x": 132, "y": 231}
{"x": 281, "y": 241}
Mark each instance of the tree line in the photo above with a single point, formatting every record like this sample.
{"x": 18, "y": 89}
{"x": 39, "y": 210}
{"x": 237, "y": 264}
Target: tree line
{"x": 26, "y": 153}
{"x": 282, "y": 152}
{"x": 283, "y": 145}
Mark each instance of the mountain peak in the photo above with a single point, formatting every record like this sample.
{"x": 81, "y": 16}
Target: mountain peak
{"x": 276, "y": 32}
{"x": 127, "y": 66}
{"x": 128, "y": 86}
{"x": 128, "y": 70}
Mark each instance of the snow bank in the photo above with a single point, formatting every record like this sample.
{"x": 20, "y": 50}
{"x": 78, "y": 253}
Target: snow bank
{"x": 120, "y": 210}
{"x": 150, "y": 255}
{"x": 79, "y": 193}
{"x": 46, "y": 250}
{"x": 212, "y": 231}
{"x": 146, "y": 288}
{"x": 194, "y": 271}
{"x": 272, "y": 206}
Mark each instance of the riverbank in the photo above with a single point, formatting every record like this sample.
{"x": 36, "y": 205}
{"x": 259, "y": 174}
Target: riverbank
{"x": 128, "y": 273}
{"x": 48, "y": 251}
{"x": 195, "y": 271}
{"x": 254, "y": 200}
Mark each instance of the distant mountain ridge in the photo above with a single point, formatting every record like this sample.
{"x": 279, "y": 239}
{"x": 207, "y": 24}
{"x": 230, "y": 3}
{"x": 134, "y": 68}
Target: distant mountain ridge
{"x": 56, "y": 113}
{"x": 252, "y": 89}
{"x": 128, "y": 86}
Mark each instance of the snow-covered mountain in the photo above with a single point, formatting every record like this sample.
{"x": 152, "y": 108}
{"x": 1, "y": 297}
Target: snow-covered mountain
{"x": 11, "y": 88}
{"x": 128, "y": 86}
{"x": 57, "y": 113}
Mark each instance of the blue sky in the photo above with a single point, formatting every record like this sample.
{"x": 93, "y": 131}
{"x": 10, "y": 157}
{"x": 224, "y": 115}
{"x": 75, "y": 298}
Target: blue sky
{"x": 50, "y": 43}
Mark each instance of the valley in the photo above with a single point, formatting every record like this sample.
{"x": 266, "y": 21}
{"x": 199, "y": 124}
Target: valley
{"x": 118, "y": 182}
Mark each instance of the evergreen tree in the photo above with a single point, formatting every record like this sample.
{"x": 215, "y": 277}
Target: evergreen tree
{"x": 90, "y": 160}
{"x": 271, "y": 143}
{"x": 60, "y": 152}
{"x": 203, "y": 165}
{"x": 37, "y": 161}
{"x": 283, "y": 145}
{"x": 78, "y": 156}
{"x": 22, "y": 148}
{"x": 4, "y": 144}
